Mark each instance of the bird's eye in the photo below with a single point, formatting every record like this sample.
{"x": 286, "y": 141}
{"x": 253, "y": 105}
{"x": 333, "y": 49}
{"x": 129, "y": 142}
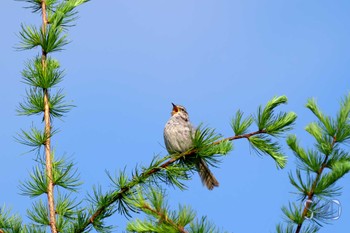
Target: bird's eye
{"x": 182, "y": 109}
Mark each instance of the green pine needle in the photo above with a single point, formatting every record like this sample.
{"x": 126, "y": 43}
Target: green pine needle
{"x": 39, "y": 213}
{"x": 325, "y": 121}
{"x": 203, "y": 226}
{"x": 281, "y": 123}
{"x": 343, "y": 121}
{"x": 161, "y": 219}
{"x": 338, "y": 156}
{"x": 264, "y": 145}
{"x": 9, "y": 222}
{"x": 37, "y": 185}
{"x": 274, "y": 124}
{"x": 240, "y": 126}
{"x": 65, "y": 175}
{"x": 66, "y": 206}
{"x": 325, "y": 186}
{"x": 65, "y": 14}
{"x": 58, "y": 107}
{"x": 205, "y": 146}
{"x": 37, "y": 76}
{"x": 293, "y": 213}
{"x": 315, "y": 130}
{"x": 310, "y": 160}
{"x": 35, "y": 5}
{"x": 34, "y": 103}
{"x": 30, "y": 37}
{"x": 265, "y": 115}
{"x": 34, "y": 138}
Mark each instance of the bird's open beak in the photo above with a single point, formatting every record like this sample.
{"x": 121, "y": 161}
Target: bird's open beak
{"x": 175, "y": 109}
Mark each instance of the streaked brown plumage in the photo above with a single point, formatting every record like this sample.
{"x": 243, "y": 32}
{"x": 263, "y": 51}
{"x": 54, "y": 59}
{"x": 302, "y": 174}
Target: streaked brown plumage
{"x": 178, "y": 137}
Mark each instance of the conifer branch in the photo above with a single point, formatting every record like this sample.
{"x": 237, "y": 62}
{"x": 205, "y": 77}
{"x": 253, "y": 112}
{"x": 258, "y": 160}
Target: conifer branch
{"x": 48, "y": 156}
{"x": 42, "y": 74}
{"x": 323, "y": 167}
{"x": 123, "y": 191}
{"x": 206, "y": 146}
{"x": 310, "y": 195}
{"x": 160, "y": 218}
{"x": 246, "y": 136}
{"x": 163, "y": 217}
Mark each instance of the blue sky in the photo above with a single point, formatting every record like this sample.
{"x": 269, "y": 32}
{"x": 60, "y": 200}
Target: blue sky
{"x": 128, "y": 60}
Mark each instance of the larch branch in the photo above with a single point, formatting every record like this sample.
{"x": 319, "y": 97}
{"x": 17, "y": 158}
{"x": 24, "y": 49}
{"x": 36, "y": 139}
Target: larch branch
{"x": 312, "y": 191}
{"x": 163, "y": 217}
{"x": 147, "y": 174}
{"x": 48, "y": 156}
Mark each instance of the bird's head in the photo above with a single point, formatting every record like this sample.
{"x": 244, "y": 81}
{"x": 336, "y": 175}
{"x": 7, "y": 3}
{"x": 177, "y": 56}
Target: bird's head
{"x": 178, "y": 109}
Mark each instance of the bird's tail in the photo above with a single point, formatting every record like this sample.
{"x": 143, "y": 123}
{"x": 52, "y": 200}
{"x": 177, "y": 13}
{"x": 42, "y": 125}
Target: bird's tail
{"x": 207, "y": 177}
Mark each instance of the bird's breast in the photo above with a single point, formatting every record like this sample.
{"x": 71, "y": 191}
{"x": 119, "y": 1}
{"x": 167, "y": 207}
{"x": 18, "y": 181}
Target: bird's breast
{"x": 178, "y": 136}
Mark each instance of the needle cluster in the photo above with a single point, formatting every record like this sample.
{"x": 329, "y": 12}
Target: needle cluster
{"x": 54, "y": 179}
{"x": 319, "y": 169}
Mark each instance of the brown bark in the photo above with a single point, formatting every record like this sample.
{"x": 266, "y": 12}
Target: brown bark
{"x": 48, "y": 155}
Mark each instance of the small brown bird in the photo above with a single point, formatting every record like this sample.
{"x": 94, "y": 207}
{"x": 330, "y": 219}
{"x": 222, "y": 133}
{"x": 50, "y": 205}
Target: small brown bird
{"x": 178, "y": 138}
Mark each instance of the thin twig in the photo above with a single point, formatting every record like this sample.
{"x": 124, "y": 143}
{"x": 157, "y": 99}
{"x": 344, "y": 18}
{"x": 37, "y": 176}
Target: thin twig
{"x": 48, "y": 157}
{"x": 247, "y": 136}
{"x": 163, "y": 217}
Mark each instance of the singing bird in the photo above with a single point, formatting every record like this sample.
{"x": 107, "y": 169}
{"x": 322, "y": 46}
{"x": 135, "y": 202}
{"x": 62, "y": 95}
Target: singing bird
{"x": 178, "y": 138}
